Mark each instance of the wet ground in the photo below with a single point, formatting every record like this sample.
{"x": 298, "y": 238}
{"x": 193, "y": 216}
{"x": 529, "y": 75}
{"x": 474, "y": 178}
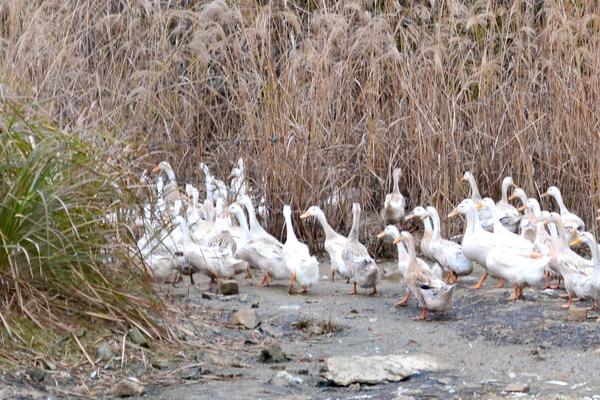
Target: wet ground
{"x": 486, "y": 343}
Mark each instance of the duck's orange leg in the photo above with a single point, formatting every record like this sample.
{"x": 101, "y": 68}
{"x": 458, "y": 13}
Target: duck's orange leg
{"x": 292, "y": 284}
{"x": 374, "y": 292}
{"x": 333, "y": 275}
{"x": 354, "y": 289}
{"x": 423, "y": 315}
{"x": 266, "y": 280}
{"x": 480, "y": 283}
{"x": 501, "y": 283}
{"x": 557, "y": 286}
{"x": 547, "y": 286}
{"x": 248, "y": 273}
{"x": 569, "y": 301}
{"x": 404, "y": 300}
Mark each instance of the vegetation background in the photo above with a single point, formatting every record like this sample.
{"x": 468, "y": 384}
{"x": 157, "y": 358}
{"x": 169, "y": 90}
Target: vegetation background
{"x": 326, "y": 96}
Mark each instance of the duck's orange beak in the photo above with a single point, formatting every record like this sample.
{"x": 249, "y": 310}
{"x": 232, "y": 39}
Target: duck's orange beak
{"x": 453, "y": 213}
{"x": 156, "y": 169}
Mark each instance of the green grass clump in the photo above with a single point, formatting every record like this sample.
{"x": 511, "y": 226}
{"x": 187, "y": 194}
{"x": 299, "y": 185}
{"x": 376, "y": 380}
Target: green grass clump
{"x": 63, "y": 259}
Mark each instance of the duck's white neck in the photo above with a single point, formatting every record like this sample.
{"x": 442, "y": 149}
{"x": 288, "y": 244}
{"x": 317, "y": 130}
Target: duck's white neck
{"x": 396, "y": 178}
{"x": 435, "y": 219}
{"x": 595, "y": 257}
{"x": 472, "y": 225}
{"x": 185, "y": 231}
{"x": 353, "y": 235}
{"x": 241, "y": 219}
{"x": 402, "y": 253}
{"x": 410, "y": 246}
{"x": 505, "y": 186}
{"x": 170, "y": 175}
{"x": 289, "y": 229}
{"x": 254, "y": 225}
{"x": 427, "y": 226}
{"x": 475, "y": 196}
{"x": 329, "y": 232}
{"x": 562, "y": 237}
{"x": 561, "y": 204}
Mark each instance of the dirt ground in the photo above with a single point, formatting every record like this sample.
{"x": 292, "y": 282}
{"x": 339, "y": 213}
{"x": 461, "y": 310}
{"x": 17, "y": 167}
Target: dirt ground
{"x": 486, "y": 343}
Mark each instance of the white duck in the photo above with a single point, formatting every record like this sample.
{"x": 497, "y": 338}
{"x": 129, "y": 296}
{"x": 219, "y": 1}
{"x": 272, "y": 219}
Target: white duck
{"x": 485, "y": 218}
{"x": 476, "y": 242}
{"x": 569, "y": 264}
{"x": 304, "y": 268}
{"x": 592, "y": 289}
{"x": 394, "y": 204}
{"x": 392, "y": 233}
{"x": 506, "y": 212}
{"x": 267, "y": 247}
{"x": 431, "y": 292}
{"x": 421, "y": 213}
{"x": 518, "y": 268}
{"x": 238, "y": 180}
{"x": 502, "y": 234}
{"x": 334, "y": 242}
{"x": 526, "y": 228}
{"x": 210, "y": 261}
{"x": 215, "y": 188}
{"x": 171, "y": 189}
{"x": 571, "y": 221}
{"x": 363, "y": 269}
{"x": 446, "y": 252}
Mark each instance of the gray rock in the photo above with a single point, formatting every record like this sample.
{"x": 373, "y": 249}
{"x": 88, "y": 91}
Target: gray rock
{"x": 36, "y": 374}
{"x": 229, "y": 287}
{"x": 284, "y": 378}
{"x": 247, "y": 318}
{"x": 136, "y": 337}
{"x": 272, "y": 354}
{"x": 577, "y": 314}
{"x": 517, "y": 388}
{"x": 345, "y": 371}
{"x": 104, "y": 352}
{"x": 127, "y": 388}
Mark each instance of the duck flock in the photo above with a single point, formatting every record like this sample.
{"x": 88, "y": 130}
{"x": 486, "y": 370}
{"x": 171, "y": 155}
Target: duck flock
{"x": 523, "y": 247}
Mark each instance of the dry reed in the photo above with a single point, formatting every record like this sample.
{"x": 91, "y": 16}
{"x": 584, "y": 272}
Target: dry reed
{"x": 328, "y": 96}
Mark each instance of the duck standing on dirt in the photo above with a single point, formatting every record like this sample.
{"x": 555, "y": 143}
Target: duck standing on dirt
{"x": 433, "y": 294}
{"x": 334, "y": 243}
{"x": 363, "y": 269}
{"x": 304, "y": 268}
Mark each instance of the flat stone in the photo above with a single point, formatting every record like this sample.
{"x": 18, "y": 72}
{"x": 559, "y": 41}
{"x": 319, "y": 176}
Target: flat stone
{"x": 577, "y": 314}
{"x": 229, "y": 287}
{"x": 517, "y": 388}
{"x": 104, "y": 352}
{"x": 247, "y": 318}
{"x": 284, "y": 378}
{"x": 345, "y": 371}
{"x": 272, "y": 354}
{"x": 136, "y": 337}
{"x": 127, "y": 388}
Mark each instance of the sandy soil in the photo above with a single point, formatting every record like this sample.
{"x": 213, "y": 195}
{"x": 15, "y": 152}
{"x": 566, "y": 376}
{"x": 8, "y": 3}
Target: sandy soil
{"x": 486, "y": 342}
